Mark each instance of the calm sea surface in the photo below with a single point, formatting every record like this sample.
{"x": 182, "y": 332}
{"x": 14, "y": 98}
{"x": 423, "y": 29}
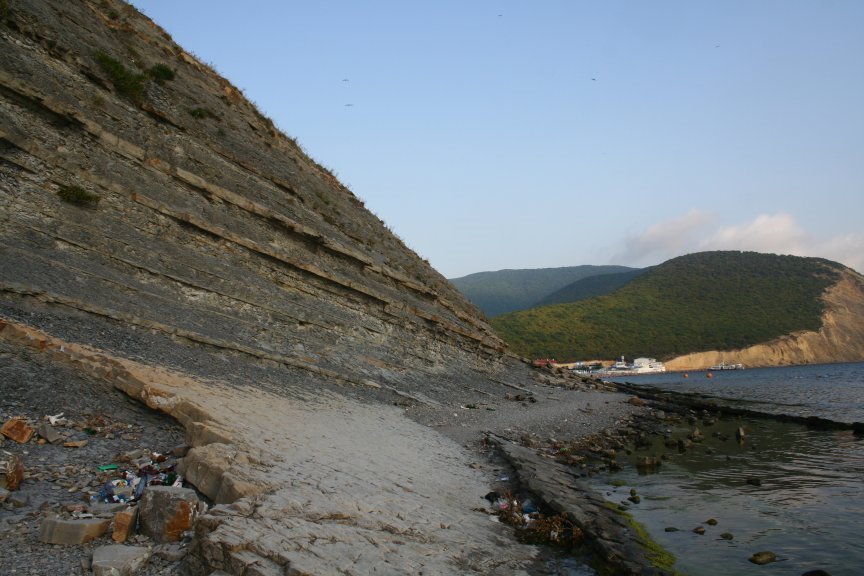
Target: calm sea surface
{"x": 832, "y": 391}
{"x": 795, "y": 491}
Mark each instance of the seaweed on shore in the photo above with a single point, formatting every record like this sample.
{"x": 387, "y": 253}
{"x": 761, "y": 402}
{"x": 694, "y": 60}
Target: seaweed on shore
{"x": 659, "y": 557}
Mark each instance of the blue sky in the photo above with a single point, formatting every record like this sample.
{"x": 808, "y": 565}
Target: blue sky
{"x": 495, "y": 134}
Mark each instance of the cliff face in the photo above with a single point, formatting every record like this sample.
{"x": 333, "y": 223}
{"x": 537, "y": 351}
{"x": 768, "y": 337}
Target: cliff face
{"x": 189, "y": 218}
{"x": 840, "y": 339}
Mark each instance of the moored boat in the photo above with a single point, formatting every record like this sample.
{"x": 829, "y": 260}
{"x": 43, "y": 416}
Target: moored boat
{"x": 724, "y": 366}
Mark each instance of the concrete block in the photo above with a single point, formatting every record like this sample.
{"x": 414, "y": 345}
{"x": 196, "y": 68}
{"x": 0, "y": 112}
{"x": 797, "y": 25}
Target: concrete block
{"x": 166, "y": 512}
{"x": 124, "y": 524}
{"x": 56, "y": 530}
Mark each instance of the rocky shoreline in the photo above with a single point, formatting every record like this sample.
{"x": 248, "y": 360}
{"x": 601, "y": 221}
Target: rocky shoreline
{"x": 540, "y": 443}
{"x": 415, "y": 499}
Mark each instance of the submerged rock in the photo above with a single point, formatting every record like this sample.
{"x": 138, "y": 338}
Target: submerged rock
{"x": 763, "y": 557}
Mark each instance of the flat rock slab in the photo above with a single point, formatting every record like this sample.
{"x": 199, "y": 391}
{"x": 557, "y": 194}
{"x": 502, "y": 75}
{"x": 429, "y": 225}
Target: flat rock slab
{"x": 119, "y": 560}
{"x": 351, "y": 488}
{"x": 615, "y": 541}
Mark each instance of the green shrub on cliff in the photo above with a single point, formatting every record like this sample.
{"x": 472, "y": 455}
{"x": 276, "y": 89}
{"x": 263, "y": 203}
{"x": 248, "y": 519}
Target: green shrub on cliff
{"x": 161, "y": 73}
{"x": 78, "y": 196}
{"x": 127, "y": 83}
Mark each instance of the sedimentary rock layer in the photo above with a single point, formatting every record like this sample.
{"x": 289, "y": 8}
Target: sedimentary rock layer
{"x": 157, "y": 231}
{"x": 196, "y": 218}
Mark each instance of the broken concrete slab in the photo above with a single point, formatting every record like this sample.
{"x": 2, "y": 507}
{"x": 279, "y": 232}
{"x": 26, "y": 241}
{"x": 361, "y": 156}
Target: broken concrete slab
{"x": 119, "y": 560}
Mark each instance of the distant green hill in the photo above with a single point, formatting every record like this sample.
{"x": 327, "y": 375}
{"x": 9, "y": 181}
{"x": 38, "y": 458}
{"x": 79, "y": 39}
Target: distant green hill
{"x": 509, "y": 290}
{"x": 592, "y": 286}
{"x": 703, "y": 301}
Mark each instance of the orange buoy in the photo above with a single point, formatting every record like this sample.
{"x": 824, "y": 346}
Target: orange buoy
{"x": 709, "y": 375}
{"x": 686, "y": 375}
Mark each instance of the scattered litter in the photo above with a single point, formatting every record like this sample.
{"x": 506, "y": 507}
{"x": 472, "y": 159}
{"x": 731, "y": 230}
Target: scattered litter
{"x": 154, "y": 470}
{"x": 57, "y": 420}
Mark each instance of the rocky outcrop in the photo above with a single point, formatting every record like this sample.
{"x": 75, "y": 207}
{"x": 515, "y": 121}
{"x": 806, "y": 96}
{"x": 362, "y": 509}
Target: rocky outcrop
{"x": 840, "y": 339}
{"x": 159, "y": 233}
{"x": 175, "y": 207}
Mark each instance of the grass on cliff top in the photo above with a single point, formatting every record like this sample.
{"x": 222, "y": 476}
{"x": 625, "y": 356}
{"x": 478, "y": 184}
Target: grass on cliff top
{"x": 704, "y": 301}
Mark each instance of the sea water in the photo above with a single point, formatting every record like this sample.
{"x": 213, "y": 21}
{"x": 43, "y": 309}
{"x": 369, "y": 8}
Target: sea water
{"x": 795, "y": 491}
{"x": 831, "y": 391}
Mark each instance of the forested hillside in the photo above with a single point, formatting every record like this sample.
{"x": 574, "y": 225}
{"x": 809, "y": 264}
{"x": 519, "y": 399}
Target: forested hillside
{"x": 703, "y": 301}
{"x": 510, "y": 290}
{"x": 592, "y": 286}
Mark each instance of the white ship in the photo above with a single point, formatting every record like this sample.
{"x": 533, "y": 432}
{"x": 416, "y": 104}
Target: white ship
{"x": 639, "y": 366}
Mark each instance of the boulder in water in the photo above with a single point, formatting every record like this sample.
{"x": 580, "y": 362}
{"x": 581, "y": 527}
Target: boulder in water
{"x": 763, "y": 557}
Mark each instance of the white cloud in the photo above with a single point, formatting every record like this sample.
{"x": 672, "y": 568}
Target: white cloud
{"x": 664, "y": 240}
{"x": 769, "y": 233}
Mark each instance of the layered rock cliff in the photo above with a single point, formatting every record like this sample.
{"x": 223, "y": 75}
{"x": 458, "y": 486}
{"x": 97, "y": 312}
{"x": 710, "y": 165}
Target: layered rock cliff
{"x": 840, "y": 339}
{"x": 144, "y": 191}
{"x": 158, "y": 233}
